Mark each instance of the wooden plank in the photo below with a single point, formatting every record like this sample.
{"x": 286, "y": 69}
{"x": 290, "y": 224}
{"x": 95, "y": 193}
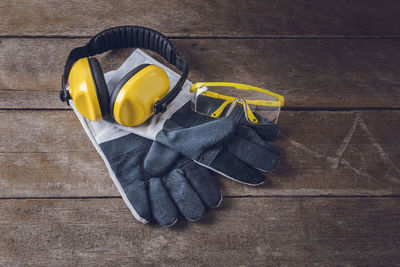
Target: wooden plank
{"x": 199, "y": 18}
{"x": 309, "y": 73}
{"x": 30, "y": 99}
{"x": 47, "y": 154}
{"x": 242, "y": 232}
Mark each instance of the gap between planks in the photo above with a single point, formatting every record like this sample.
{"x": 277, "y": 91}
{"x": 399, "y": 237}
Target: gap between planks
{"x": 225, "y": 197}
{"x": 202, "y": 37}
{"x": 333, "y": 109}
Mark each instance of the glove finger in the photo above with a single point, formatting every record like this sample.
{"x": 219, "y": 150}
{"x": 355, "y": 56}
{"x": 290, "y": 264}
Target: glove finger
{"x": 267, "y": 132}
{"x": 249, "y": 134}
{"x": 203, "y": 183}
{"x": 139, "y": 203}
{"x": 162, "y": 206}
{"x": 231, "y": 167}
{"x": 190, "y": 141}
{"x": 255, "y": 155}
{"x": 185, "y": 198}
{"x": 159, "y": 159}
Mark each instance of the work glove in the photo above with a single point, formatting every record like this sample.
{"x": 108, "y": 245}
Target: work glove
{"x": 231, "y": 146}
{"x": 155, "y": 187}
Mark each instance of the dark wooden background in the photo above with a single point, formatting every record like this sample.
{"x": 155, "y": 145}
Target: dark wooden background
{"x": 335, "y": 199}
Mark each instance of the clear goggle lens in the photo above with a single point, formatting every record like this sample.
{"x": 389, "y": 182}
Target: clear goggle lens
{"x": 218, "y": 100}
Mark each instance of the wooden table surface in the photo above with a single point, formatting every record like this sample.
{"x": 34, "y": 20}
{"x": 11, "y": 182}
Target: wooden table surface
{"x": 335, "y": 198}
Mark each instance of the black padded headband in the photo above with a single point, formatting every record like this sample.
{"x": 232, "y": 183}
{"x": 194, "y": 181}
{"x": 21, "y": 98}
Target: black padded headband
{"x": 130, "y": 36}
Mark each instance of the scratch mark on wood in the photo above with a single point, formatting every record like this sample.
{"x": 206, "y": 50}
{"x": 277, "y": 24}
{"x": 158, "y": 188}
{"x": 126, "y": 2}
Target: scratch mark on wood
{"x": 346, "y": 142}
{"x": 381, "y": 151}
{"x": 357, "y": 171}
{"x": 337, "y": 159}
{"x": 376, "y": 144}
{"x": 305, "y": 149}
{"x": 329, "y": 159}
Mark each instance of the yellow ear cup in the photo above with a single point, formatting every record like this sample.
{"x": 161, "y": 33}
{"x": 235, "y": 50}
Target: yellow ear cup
{"x": 133, "y": 101}
{"x": 82, "y": 90}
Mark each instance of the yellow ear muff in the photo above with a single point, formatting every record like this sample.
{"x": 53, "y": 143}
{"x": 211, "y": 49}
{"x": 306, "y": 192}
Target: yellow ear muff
{"x": 82, "y": 90}
{"x": 132, "y": 101}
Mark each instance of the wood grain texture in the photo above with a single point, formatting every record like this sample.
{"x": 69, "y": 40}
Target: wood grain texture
{"x": 242, "y": 232}
{"x": 30, "y": 99}
{"x": 309, "y": 73}
{"x": 47, "y": 154}
{"x": 204, "y": 18}
{"x": 334, "y": 200}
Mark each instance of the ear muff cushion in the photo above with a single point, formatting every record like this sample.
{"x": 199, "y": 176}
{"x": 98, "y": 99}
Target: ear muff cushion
{"x": 121, "y": 83}
{"x": 101, "y": 87}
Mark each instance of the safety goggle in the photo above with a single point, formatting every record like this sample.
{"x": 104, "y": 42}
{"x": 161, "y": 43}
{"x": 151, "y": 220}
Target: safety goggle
{"x": 219, "y": 99}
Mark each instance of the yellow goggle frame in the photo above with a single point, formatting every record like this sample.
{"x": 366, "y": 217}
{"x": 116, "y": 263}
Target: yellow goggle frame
{"x": 230, "y": 99}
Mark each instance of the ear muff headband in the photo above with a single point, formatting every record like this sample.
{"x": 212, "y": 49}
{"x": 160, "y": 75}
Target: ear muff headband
{"x": 129, "y": 36}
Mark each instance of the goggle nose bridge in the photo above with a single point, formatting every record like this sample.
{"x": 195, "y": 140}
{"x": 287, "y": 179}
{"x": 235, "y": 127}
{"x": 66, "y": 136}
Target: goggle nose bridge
{"x": 233, "y": 105}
